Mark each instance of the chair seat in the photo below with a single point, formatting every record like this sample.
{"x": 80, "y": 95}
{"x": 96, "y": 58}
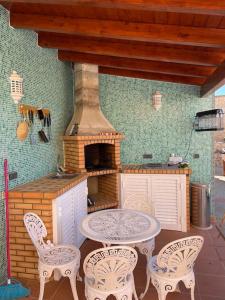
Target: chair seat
{"x": 60, "y": 255}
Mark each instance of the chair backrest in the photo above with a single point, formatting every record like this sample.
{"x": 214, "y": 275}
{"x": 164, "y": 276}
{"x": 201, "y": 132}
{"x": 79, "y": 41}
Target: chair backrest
{"x": 177, "y": 258}
{"x": 36, "y": 230}
{"x": 109, "y": 268}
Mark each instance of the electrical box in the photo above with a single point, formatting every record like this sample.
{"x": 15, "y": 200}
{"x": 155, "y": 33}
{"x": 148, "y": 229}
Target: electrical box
{"x": 209, "y": 120}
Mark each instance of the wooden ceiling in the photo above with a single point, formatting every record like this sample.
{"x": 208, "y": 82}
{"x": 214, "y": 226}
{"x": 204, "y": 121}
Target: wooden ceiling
{"x": 179, "y": 41}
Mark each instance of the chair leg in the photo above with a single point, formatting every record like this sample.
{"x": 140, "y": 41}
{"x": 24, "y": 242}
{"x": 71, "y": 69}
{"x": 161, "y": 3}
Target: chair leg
{"x": 42, "y": 287}
{"x": 79, "y": 278}
{"x": 163, "y": 288}
{"x": 147, "y": 284}
{"x": 189, "y": 282}
{"x": 193, "y": 292}
{"x": 44, "y": 273}
{"x": 162, "y": 295}
{"x": 146, "y": 248}
{"x": 72, "y": 278}
{"x": 57, "y": 275}
{"x": 134, "y": 289}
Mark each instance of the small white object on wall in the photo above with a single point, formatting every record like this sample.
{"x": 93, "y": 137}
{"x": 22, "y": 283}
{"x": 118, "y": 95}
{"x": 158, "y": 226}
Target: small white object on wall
{"x": 16, "y": 87}
{"x": 157, "y": 100}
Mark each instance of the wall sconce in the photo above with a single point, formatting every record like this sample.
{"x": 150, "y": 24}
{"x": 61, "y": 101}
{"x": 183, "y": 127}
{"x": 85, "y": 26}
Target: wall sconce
{"x": 157, "y": 100}
{"x": 16, "y": 87}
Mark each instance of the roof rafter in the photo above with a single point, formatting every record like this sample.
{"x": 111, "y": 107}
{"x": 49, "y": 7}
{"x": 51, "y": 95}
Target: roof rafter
{"x": 131, "y": 49}
{"x": 137, "y": 64}
{"x": 215, "y": 81}
{"x": 152, "y": 76}
{"x": 187, "y": 6}
{"x": 197, "y": 36}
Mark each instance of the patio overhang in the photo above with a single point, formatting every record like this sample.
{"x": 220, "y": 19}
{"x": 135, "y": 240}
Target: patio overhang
{"x": 157, "y": 40}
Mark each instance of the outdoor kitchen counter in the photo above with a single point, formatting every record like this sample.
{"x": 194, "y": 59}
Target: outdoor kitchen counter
{"x": 41, "y": 197}
{"x": 46, "y": 187}
{"x": 165, "y": 169}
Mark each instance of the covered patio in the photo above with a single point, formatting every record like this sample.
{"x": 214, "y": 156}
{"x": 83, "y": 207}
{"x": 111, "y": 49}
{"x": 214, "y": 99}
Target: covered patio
{"x": 209, "y": 271}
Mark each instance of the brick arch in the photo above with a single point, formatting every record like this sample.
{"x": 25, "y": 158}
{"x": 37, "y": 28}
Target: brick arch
{"x": 99, "y": 142}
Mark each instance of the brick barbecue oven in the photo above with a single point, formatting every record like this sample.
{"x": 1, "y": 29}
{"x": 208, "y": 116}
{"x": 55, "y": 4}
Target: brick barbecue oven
{"x": 91, "y": 144}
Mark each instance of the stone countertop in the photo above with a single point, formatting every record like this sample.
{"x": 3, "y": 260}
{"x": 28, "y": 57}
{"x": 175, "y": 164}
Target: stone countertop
{"x": 164, "y": 169}
{"x": 46, "y": 187}
{"x": 222, "y": 178}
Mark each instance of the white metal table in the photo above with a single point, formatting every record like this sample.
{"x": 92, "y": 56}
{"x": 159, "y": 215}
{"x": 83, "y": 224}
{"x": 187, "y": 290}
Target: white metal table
{"x": 123, "y": 227}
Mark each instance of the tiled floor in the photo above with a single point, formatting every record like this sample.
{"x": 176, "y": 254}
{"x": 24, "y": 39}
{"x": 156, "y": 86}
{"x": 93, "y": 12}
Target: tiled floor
{"x": 209, "y": 271}
{"x": 218, "y": 198}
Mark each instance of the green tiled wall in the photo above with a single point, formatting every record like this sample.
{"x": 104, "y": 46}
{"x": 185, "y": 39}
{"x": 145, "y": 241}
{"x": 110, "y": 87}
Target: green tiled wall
{"x": 47, "y": 83}
{"x": 127, "y": 103}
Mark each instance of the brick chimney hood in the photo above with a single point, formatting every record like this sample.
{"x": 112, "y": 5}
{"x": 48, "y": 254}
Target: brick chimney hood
{"x": 88, "y": 118}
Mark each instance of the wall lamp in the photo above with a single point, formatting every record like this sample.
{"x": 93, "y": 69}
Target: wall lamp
{"x": 157, "y": 100}
{"x": 16, "y": 87}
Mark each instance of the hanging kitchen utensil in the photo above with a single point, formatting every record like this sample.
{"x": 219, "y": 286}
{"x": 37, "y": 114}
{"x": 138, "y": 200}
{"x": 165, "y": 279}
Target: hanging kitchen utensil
{"x": 41, "y": 133}
{"x": 43, "y": 136}
{"x": 22, "y": 129}
{"x": 49, "y": 126}
{"x": 40, "y": 114}
{"x": 31, "y": 122}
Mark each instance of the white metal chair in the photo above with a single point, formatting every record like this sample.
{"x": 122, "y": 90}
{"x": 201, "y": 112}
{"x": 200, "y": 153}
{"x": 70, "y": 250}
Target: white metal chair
{"x": 173, "y": 264}
{"x": 109, "y": 271}
{"x": 59, "y": 258}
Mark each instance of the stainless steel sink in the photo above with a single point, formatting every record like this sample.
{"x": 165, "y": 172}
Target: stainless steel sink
{"x": 63, "y": 176}
{"x": 152, "y": 166}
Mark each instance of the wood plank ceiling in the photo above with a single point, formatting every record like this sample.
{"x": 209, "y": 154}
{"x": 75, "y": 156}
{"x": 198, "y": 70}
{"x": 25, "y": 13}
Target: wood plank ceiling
{"x": 179, "y": 41}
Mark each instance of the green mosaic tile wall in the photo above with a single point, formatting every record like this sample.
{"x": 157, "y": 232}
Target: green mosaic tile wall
{"x": 47, "y": 82}
{"x": 127, "y": 103}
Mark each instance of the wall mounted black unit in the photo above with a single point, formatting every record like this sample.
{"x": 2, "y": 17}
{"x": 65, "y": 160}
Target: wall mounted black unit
{"x": 209, "y": 120}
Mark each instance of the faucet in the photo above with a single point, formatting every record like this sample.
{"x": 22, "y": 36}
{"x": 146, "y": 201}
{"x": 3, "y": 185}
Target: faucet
{"x": 58, "y": 167}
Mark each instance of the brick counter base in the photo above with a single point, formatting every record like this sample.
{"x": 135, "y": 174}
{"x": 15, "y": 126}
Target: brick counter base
{"x": 23, "y": 254}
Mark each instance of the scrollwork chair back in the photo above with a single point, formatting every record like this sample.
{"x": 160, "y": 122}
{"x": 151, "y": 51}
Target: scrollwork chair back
{"x": 37, "y": 232}
{"x": 177, "y": 258}
{"x": 63, "y": 260}
{"x": 110, "y": 268}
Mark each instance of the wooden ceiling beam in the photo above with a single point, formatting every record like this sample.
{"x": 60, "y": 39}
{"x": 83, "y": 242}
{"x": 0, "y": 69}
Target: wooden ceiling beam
{"x": 187, "y": 6}
{"x": 197, "y": 36}
{"x": 152, "y": 76}
{"x": 137, "y": 64}
{"x": 215, "y": 81}
{"x": 129, "y": 49}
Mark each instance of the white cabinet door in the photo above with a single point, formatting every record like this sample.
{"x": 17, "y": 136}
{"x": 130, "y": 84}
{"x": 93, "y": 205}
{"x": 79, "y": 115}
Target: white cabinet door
{"x": 80, "y": 210}
{"x": 135, "y": 192}
{"x": 168, "y": 198}
{"x": 161, "y": 195}
{"x": 68, "y": 209}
